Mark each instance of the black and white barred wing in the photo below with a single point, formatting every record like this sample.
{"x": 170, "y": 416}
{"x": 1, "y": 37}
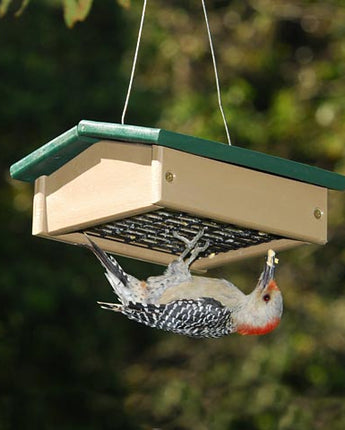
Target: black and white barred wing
{"x": 203, "y": 317}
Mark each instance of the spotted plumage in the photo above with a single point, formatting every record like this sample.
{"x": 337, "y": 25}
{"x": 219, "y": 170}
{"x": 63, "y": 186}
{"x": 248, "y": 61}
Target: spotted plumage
{"x": 203, "y": 317}
{"x": 194, "y": 306}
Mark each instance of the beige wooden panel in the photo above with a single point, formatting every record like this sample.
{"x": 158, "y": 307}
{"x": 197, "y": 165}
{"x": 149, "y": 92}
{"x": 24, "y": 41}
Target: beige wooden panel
{"x": 162, "y": 258}
{"x": 113, "y": 180}
{"x": 242, "y": 196}
{"x": 39, "y": 217}
{"x": 240, "y": 254}
{"x": 109, "y": 180}
{"x": 118, "y": 248}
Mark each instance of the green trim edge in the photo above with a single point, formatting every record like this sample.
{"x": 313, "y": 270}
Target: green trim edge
{"x": 54, "y": 154}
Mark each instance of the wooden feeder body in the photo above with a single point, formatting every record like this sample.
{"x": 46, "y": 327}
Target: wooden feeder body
{"x": 130, "y": 187}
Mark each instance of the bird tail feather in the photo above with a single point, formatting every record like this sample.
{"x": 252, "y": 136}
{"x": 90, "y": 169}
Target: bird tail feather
{"x": 108, "y": 262}
{"x": 119, "y": 280}
{"x": 116, "y": 307}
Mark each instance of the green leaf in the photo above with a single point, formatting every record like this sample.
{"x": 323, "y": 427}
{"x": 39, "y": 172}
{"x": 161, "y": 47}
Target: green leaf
{"x": 76, "y": 10}
{"x": 4, "y": 7}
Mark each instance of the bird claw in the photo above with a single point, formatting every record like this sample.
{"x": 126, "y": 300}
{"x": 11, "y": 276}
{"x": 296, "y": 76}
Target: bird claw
{"x": 191, "y": 246}
{"x": 196, "y": 251}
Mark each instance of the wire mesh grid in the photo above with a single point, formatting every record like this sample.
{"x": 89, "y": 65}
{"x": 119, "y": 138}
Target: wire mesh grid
{"x": 154, "y": 230}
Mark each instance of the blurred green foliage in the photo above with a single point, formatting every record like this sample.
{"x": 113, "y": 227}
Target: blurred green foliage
{"x": 74, "y": 10}
{"x": 65, "y": 364}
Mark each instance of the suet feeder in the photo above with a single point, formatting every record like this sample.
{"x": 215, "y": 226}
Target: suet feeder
{"x": 130, "y": 187}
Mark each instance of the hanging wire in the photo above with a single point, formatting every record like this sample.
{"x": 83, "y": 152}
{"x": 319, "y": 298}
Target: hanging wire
{"x": 134, "y": 63}
{"x": 213, "y": 60}
{"x": 216, "y": 73}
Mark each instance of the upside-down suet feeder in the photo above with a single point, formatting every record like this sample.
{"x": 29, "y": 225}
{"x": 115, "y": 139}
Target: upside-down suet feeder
{"x": 130, "y": 187}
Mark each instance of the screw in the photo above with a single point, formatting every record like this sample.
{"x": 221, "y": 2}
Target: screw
{"x": 318, "y": 213}
{"x": 169, "y": 176}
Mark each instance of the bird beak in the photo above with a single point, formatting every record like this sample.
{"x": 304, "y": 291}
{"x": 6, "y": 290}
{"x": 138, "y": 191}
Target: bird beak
{"x": 268, "y": 273}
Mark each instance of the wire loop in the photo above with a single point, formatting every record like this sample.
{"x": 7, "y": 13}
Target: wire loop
{"x": 135, "y": 58}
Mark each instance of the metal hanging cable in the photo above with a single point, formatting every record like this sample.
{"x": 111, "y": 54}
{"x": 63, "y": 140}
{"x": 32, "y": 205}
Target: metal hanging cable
{"x": 134, "y": 62}
{"x": 135, "y": 58}
{"x": 216, "y": 72}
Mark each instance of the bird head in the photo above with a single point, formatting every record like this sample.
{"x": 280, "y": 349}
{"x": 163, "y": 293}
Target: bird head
{"x": 263, "y": 307}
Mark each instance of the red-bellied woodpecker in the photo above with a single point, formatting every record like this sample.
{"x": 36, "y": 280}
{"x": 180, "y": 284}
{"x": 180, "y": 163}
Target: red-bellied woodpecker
{"x": 194, "y": 306}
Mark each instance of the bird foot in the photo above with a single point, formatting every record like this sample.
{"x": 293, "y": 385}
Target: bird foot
{"x": 191, "y": 246}
{"x": 196, "y": 251}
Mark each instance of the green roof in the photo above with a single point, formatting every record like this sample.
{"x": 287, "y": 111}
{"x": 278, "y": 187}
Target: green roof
{"x": 51, "y": 156}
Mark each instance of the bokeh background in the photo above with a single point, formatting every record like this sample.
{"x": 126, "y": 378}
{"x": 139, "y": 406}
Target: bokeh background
{"x": 66, "y": 364}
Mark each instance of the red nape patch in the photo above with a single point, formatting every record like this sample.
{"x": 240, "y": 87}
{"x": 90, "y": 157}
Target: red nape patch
{"x": 272, "y": 286}
{"x": 246, "y": 329}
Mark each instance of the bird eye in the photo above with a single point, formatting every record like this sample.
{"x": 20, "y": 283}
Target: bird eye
{"x": 267, "y": 297}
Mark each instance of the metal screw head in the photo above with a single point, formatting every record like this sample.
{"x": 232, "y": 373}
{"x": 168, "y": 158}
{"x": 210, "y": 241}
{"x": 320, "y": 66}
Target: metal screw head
{"x": 318, "y": 213}
{"x": 169, "y": 176}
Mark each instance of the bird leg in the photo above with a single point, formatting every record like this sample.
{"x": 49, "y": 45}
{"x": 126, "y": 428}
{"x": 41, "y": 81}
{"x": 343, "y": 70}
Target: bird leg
{"x": 195, "y": 252}
{"x": 191, "y": 246}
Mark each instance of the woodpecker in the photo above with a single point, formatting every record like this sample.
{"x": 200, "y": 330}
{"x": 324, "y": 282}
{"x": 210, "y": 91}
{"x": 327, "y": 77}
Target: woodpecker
{"x": 194, "y": 306}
